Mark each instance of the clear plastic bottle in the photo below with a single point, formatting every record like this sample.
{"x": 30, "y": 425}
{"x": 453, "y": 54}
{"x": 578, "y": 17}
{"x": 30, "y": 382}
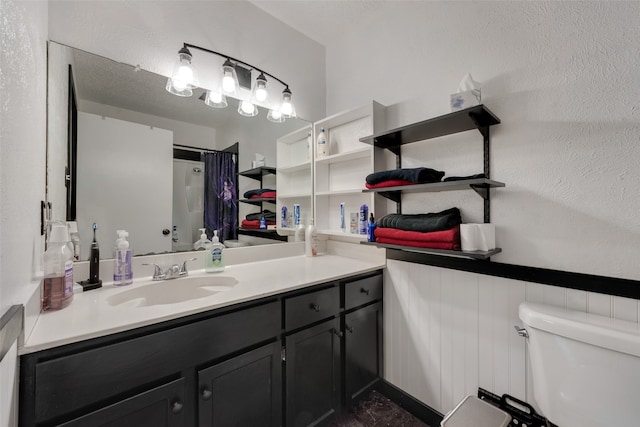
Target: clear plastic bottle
{"x": 57, "y": 286}
{"x": 215, "y": 260}
{"x": 311, "y": 240}
{"x": 75, "y": 239}
{"x": 122, "y": 271}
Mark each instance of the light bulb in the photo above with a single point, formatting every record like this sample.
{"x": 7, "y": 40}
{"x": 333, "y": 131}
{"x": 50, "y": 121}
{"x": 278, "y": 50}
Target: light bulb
{"x": 228, "y": 82}
{"x": 215, "y": 97}
{"x": 261, "y": 94}
{"x": 185, "y": 73}
{"x": 178, "y": 84}
{"x": 247, "y": 107}
{"x": 286, "y": 109}
{"x": 275, "y": 116}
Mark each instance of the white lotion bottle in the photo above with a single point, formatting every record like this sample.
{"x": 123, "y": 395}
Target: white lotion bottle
{"x": 322, "y": 149}
{"x": 311, "y": 240}
{"x": 122, "y": 271}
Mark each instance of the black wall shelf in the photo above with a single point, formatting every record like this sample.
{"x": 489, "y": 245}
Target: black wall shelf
{"x": 480, "y": 185}
{"x": 259, "y": 172}
{"x": 265, "y": 234}
{"x": 478, "y": 117}
{"x": 481, "y": 255}
{"x": 258, "y": 201}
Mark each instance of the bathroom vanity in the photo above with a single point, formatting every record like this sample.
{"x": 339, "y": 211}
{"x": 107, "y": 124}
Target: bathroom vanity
{"x": 295, "y": 348}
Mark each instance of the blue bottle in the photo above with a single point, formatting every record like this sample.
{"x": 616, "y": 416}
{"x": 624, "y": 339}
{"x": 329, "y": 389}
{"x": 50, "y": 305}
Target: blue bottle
{"x": 372, "y": 227}
{"x": 362, "y": 223}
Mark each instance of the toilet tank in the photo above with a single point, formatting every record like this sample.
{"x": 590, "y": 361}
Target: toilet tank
{"x": 585, "y": 368}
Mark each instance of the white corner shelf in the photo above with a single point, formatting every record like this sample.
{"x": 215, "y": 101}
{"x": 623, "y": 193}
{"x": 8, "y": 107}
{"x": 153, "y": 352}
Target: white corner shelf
{"x": 359, "y": 153}
{"x": 293, "y": 195}
{"x": 296, "y": 168}
{"x": 340, "y": 192}
{"x": 344, "y": 235}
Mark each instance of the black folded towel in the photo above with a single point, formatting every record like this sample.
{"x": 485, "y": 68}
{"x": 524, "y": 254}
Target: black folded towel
{"x": 416, "y": 175}
{"x": 256, "y": 192}
{"x": 425, "y": 223}
{"x": 461, "y": 178}
{"x": 266, "y": 214}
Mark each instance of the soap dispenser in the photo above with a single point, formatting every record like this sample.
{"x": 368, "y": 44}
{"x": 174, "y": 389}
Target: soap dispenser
{"x": 203, "y": 242}
{"x": 122, "y": 271}
{"x": 215, "y": 261}
{"x": 57, "y": 285}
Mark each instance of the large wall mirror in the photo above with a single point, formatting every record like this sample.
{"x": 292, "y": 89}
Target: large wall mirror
{"x": 124, "y": 153}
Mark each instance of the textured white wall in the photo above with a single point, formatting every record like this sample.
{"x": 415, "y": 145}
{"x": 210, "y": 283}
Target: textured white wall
{"x": 562, "y": 76}
{"x": 150, "y": 33}
{"x": 23, "y": 72}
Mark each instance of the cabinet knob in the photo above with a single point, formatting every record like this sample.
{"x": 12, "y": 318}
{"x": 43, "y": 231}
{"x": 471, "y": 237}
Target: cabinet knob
{"x": 364, "y": 291}
{"x": 315, "y": 307}
{"x": 206, "y": 394}
{"x": 348, "y": 328}
{"x": 338, "y": 333}
{"x": 177, "y": 407}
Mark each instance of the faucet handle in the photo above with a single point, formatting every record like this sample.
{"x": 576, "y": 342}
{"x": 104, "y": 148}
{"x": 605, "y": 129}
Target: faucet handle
{"x": 183, "y": 268}
{"x": 157, "y": 272}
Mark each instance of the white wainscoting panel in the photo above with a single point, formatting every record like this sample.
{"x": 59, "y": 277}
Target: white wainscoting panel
{"x": 448, "y": 332}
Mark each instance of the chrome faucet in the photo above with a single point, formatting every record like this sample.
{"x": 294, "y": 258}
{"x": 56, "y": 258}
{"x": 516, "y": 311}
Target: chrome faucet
{"x": 173, "y": 272}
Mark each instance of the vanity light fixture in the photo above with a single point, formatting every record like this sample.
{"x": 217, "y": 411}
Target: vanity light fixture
{"x": 236, "y": 74}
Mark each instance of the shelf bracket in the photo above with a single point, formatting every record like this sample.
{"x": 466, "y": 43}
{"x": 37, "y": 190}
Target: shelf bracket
{"x": 395, "y": 196}
{"x": 482, "y": 191}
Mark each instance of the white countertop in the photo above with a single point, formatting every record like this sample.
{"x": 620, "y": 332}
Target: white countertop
{"x": 90, "y": 315}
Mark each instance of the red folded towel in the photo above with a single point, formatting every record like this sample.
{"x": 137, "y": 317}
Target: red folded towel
{"x": 255, "y": 224}
{"x": 445, "y": 236}
{"x": 390, "y": 183}
{"x": 430, "y": 245}
{"x": 264, "y": 195}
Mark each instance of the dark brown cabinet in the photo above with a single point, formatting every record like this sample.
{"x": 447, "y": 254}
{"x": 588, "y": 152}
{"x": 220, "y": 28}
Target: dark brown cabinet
{"x": 162, "y": 406}
{"x": 296, "y": 359}
{"x": 243, "y": 391}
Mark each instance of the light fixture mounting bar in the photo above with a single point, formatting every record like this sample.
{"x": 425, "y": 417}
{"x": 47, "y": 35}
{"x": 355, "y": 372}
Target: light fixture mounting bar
{"x": 222, "y": 55}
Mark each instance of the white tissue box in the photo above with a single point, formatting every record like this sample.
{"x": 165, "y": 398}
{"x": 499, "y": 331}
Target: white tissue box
{"x": 462, "y": 100}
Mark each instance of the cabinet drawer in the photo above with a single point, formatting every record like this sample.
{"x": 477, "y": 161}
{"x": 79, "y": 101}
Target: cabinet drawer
{"x": 73, "y": 382}
{"x": 362, "y": 291}
{"x": 311, "y": 307}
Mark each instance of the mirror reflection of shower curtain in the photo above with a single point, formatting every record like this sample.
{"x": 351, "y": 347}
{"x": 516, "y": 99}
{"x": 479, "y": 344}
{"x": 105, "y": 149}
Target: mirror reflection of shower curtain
{"x": 220, "y": 200}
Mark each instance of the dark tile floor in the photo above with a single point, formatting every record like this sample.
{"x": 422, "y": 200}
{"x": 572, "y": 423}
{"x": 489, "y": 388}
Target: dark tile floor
{"x": 378, "y": 411}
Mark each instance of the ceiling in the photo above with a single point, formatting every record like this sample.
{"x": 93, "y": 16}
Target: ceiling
{"x": 321, "y": 20}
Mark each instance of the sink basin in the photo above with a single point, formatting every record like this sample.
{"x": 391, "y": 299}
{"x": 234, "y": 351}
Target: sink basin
{"x": 172, "y": 291}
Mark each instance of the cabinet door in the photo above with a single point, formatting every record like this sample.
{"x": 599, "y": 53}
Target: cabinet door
{"x": 313, "y": 375}
{"x": 158, "y": 407}
{"x": 243, "y": 391}
{"x": 363, "y": 350}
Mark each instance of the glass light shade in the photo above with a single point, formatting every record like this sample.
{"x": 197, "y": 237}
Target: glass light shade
{"x": 287, "y": 109}
{"x": 184, "y": 76}
{"x": 260, "y": 89}
{"x": 247, "y": 109}
{"x": 229, "y": 78}
{"x": 215, "y": 99}
{"x": 181, "y": 90}
{"x": 275, "y": 116}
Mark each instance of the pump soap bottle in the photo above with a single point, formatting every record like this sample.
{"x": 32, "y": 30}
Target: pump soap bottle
{"x": 122, "y": 271}
{"x": 57, "y": 286}
{"x": 203, "y": 242}
{"x": 215, "y": 261}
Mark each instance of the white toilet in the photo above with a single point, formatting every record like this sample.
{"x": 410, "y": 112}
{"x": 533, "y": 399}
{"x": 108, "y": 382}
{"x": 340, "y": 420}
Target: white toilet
{"x": 585, "y": 367}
